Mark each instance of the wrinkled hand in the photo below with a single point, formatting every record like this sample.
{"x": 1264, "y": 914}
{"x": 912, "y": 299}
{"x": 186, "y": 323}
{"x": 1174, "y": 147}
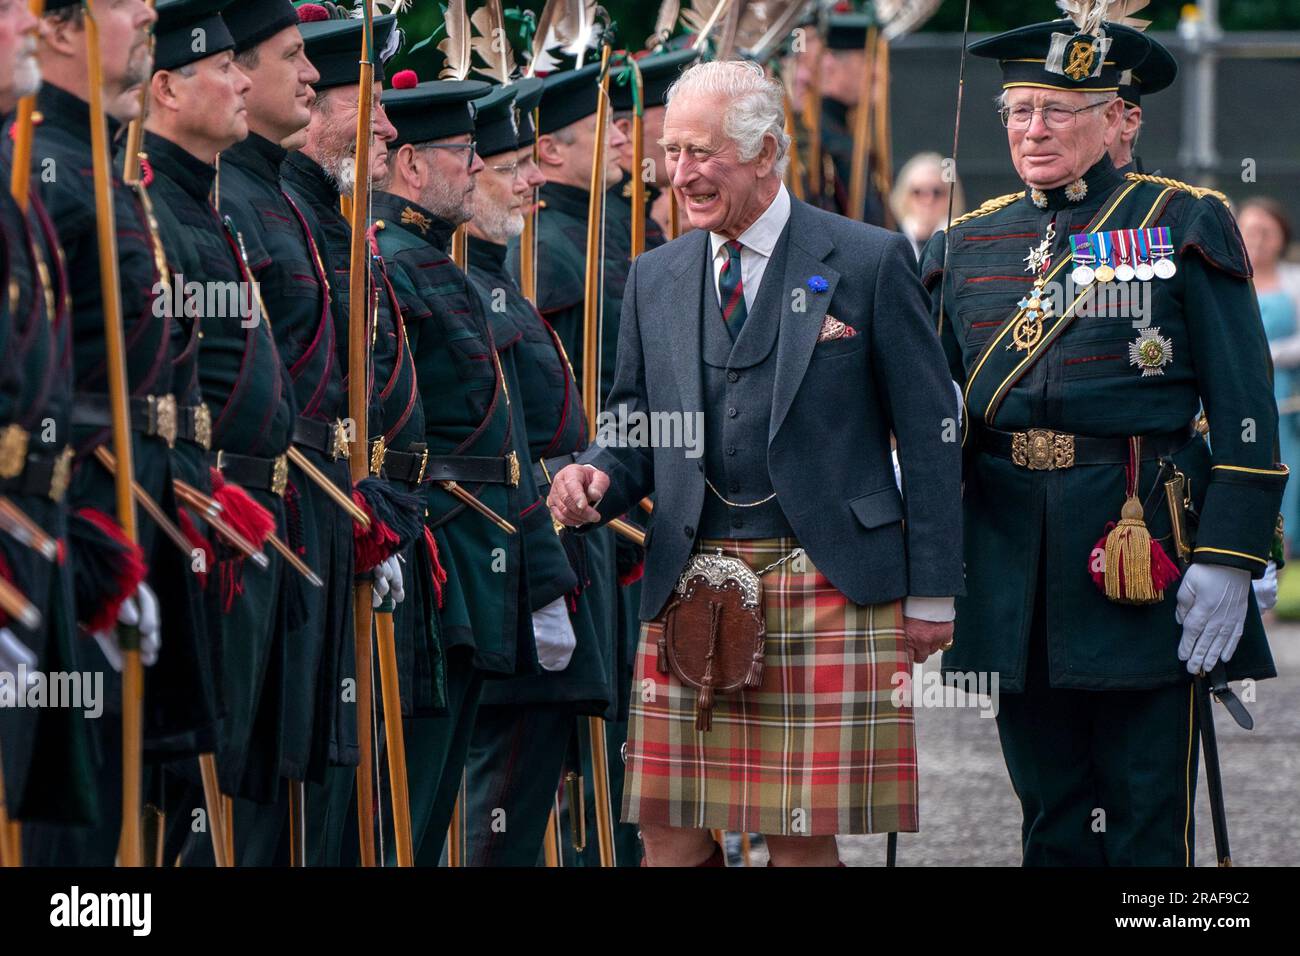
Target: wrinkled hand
{"x": 553, "y": 634}
{"x": 573, "y": 493}
{"x": 925, "y": 637}
{"x": 14, "y": 653}
{"x": 140, "y": 611}
{"x": 1212, "y": 610}
{"x": 1266, "y": 588}
{"x": 388, "y": 582}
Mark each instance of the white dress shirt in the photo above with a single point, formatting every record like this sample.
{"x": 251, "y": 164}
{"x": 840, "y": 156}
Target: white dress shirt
{"x": 757, "y": 241}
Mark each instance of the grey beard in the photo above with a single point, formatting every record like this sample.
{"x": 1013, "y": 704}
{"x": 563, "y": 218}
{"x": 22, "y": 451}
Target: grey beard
{"x": 342, "y": 172}
{"x": 446, "y": 203}
{"x": 27, "y": 76}
{"x": 497, "y": 223}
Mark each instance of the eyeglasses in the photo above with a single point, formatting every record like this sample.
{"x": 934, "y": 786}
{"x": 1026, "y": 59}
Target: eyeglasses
{"x": 510, "y": 169}
{"x": 470, "y": 148}
{"x": 934, "y": 192}
{"x": 1054, "y": 117}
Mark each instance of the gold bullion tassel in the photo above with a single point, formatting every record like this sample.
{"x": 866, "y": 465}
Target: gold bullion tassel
{"x": 1136, "y": 568}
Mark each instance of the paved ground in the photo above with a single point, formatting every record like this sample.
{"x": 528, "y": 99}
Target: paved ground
{"x": 970, "y": 815}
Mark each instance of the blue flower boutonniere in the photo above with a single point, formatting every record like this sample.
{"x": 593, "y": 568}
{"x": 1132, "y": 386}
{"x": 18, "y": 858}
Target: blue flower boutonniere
{"x": 818, "y": 284}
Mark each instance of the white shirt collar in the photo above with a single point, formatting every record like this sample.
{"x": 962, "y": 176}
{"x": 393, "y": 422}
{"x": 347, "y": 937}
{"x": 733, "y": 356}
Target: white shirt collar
{"x": 763, "y": 234}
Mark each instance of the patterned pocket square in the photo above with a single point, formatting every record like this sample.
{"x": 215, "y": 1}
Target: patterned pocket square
{"x": 833, "y": 328}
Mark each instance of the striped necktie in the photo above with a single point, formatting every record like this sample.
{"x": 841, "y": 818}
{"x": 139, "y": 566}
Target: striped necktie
{"x": 731, "y": 290}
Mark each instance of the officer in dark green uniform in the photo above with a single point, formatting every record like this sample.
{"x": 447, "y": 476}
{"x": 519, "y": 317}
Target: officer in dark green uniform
{"x": 283, "y": 240}
{"x": 48, "y": 775}
{"x": 658, "y": 73}
{"x": 566, "y": 135}
{"x": 180, "y": 708}
{"x": 1083, "y": 364}
{"x": 486, "y": 629}
{"x": 843, "y": 63}
{"x": 524, "y": 726}
{"x": 316, "y": 177}
{"x": 1155, "y": 73}
{"x": 196, "y": 112}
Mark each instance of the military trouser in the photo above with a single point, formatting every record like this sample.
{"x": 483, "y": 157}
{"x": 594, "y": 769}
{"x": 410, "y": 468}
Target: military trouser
{"x": 1105, "y": 778}
{"x": 514, "y": 766}
{"x": 627, "y": 841}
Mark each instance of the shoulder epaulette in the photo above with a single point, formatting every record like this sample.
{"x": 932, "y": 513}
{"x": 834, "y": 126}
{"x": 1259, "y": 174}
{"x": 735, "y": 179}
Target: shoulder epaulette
{"x": 1200, "y": 192}
{"x": 992, "y": 205}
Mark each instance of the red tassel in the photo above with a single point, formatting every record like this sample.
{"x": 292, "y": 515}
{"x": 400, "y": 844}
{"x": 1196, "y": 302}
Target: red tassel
{"x": 372, "y": 546}
{"x": 439, "y": 573}
{"x": 127, "y": 575}
{"x": 242, "y": 513}
{"x": 632, "y": 575}
{"x": 196, "y": 540}
{"x": 1164, "y": 571}
{"x": 7, "y": 574}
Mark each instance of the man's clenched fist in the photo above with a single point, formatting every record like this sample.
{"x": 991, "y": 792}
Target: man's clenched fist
{"x": 574, "y": 492}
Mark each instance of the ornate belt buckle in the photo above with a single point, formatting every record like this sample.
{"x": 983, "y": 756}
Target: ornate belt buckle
{"x": 61, "y": 476}
{"x": 1041, "y": 449}
{"x": 13, "y": 451}
{"x": 378, "y": 452}
{"x": 202, "y": 426}
{"x": 513, "y": 459}
{"x": 339, "y": 441}
{"x": 162, "y": 417}
{"x": 279, "y": 475}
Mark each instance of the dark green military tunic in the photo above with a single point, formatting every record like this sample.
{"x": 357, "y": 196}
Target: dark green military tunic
{"x": 284, "y": 243}
{"x": 1032, "y": 613}
{"x": 246, "y": 388}
{"x": 47, "y": 769}
{"x": 486, "y": 629}
{"x": 524, "y": 726}
{"x": 180, "y": 715}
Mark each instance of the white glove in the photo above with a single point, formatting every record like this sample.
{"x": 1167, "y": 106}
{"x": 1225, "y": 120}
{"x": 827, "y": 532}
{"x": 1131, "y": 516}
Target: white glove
{"x": 388, "y": 581}
{"x": 553, "y": 635}
{"x": 1212, "y": 609}
{"x": 14, "y": 653}
{"x": 1266, "y": 588}
{"x": 139, "y": 611}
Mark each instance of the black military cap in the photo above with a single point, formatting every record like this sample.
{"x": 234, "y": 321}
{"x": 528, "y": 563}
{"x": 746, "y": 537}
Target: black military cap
{"x": 334, "y": 45}
{"x": 658, "y": 73}
{"x": 496, "y": 121}
{"x": 1155, "y": 73}
{"x": 424, "y": 112}
{"x": 528, "y": 93}
{"x": 188, "y": 31}
{"x": 568, "y": 97}
{"x": 848, "y": 31}
{"x": 54, "y": 6}
{"x": 1056, "y": 56}
{"x": 252, "y": 21}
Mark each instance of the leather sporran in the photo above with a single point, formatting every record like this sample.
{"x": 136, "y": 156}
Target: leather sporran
{"x": 713, "y": 630}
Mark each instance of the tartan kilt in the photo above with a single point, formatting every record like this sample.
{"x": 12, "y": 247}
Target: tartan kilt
{"x": 819, "y": 748}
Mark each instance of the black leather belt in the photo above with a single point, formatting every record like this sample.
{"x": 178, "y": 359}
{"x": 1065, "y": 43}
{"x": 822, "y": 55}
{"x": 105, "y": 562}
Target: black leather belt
{"x": 194, "y": 425}
{"x": 473, "y": 469}
{"x": 328, "y": 438}
{"x": 154, "y": 415}
{"x": 405, "y": 465}
{"x": 41, "y": 475}
{"x": 264, "y": 474}
{"x": 545, "y": 469}
{"x": 1041, "y": 449}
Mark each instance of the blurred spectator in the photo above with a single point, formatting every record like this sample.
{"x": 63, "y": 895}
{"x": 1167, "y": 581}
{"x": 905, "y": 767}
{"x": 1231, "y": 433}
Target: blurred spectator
{"x": 920, "y": 199}
{"x": 1267, "y": 231}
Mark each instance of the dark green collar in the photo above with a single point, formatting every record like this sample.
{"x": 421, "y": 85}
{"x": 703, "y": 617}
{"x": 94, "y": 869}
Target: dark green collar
{"x": 311, "y": 178}
{"x": 569, "y": 200}
{"x": 1098, "y": 182}
{"x": 258, "y": 155}
{"x": 485, "y": 256}
{"x": 60, "y": 109}
{"x": 180, "y": 166}
{"x": 413, "y": 217}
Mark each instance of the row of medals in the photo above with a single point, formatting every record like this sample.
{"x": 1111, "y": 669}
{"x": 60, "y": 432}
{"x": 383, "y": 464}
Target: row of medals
{"x": 1037, "y": 306}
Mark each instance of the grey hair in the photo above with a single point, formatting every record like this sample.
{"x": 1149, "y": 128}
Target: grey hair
{"x": 565, "y": 134}
{"x": 755, "y": 105}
